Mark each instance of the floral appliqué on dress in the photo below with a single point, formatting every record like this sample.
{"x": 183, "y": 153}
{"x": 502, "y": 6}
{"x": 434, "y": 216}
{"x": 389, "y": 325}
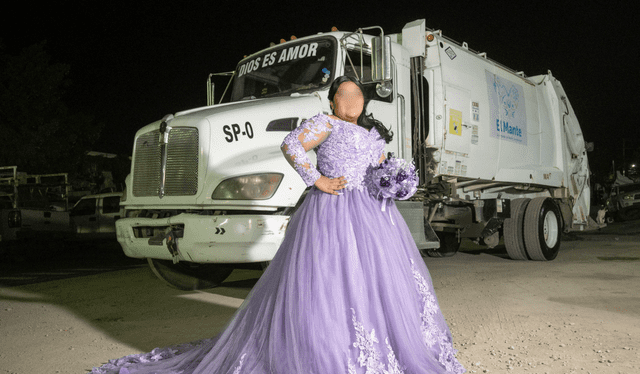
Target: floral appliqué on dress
{"x": 157, "y": 354}
{"x": 340, "y": 146}
{"x": 369, "y": 356}
{"x": 239, "y": 367}
{"x": 430, "y": 331}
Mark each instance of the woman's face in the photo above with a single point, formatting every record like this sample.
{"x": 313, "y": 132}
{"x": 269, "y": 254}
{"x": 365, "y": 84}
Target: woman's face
{"x": 348, "y": 102}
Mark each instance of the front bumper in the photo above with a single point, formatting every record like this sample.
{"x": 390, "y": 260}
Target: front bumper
{"x": 204, "y": 239}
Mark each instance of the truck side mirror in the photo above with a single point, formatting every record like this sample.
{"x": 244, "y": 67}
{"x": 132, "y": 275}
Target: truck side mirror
{"x": 211, "y": 89}
{"x": 381, "y": 64}
{"x": 380, "y": 59}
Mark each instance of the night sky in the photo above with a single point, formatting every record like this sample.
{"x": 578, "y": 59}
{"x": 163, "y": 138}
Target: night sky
{"x": 133, "y": 62}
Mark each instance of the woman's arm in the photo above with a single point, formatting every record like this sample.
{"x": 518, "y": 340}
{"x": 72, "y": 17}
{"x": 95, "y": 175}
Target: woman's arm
{"x": 301, "y": 140}
{"x": 298, "y": 142}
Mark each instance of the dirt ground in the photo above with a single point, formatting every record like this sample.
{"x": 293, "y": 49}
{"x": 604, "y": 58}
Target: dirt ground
{"x": 577, "y": 314}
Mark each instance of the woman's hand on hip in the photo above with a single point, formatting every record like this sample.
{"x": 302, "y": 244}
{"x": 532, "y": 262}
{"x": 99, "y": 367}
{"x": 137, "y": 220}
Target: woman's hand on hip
{"x": 330, "y": 185}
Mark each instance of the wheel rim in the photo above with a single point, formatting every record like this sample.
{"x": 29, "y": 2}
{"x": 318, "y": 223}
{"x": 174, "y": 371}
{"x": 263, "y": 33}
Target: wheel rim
{"x": 550, "y": 229}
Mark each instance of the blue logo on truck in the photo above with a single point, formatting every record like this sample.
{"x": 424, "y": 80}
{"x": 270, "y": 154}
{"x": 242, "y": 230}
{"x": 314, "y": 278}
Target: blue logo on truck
{"x": 508, "y": 114}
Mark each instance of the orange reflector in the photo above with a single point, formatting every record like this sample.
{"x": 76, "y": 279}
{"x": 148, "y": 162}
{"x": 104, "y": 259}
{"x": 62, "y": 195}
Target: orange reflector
{"x": 293, "y": 37}
{"x": 282, "y": 40}
{"x": 430, "y": 37}
{"x": 333, "y": 28}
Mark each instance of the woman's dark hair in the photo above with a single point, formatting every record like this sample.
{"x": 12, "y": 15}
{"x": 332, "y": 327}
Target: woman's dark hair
{"x": 365, "y": 120}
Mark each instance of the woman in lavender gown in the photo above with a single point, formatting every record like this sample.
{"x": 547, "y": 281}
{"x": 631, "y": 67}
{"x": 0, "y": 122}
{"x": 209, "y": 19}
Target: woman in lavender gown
{"x": 347, "y": 291}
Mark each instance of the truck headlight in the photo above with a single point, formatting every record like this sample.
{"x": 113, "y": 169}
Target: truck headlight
{"x": 248, "y": 187}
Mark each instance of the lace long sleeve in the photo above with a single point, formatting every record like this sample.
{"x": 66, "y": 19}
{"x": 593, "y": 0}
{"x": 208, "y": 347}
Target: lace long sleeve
{"x": 298, "y": 142}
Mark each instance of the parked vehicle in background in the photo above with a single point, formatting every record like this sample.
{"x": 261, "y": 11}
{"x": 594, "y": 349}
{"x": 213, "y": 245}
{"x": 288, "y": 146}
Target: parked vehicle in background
{"x": 95, "y": 216}
{"x": 7, "y": 217}
{"x": 6, "y": 202}
{"x": 35, "y": 206}
{"x": 8, "y": 213}
{"x": 625, "y": 201}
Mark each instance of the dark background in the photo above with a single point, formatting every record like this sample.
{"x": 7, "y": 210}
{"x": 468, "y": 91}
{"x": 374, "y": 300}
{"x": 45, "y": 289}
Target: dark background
{"x": 133, "y": 62}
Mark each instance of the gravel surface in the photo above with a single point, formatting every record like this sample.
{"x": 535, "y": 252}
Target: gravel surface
{"x": 577, "y": 314}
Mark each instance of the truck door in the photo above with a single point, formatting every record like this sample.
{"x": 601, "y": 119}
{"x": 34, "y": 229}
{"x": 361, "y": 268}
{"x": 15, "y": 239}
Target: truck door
{"x": 110, "y": 212}
{"x": 458, "y": 127}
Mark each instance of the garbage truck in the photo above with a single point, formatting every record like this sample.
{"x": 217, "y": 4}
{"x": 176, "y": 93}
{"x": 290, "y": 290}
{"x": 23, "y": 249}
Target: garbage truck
{"x": 500, "y": 155}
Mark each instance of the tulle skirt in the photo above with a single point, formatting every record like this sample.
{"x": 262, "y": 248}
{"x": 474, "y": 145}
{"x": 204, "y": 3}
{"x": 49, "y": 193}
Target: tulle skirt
{"x": 347, "y": 292}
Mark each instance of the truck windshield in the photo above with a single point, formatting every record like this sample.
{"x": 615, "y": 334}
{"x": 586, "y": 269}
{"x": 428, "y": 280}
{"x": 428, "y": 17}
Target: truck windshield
{"x": 293, "y": 67}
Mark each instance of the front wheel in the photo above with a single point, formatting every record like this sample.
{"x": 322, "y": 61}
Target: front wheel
{"x": 542, "y": 227}
{"x": 189, "y": 276}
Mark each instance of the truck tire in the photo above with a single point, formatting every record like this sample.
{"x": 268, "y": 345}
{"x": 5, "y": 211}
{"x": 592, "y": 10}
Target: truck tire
{"x": 449, "y": 245}
{"x": 514, "y": 230}
{"x": 542, "y": 228}
{"x": 189, "y": 276}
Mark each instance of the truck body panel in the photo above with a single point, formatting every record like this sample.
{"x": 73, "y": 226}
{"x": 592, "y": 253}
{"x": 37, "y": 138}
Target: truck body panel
{"x": 227, "y": 145}
{"x": 497, "y": 126}
{"x": 38, "y": 224}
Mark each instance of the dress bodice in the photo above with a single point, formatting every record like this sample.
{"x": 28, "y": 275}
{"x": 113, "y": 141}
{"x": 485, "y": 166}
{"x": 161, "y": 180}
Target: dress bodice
{"x": 343, "y": 149}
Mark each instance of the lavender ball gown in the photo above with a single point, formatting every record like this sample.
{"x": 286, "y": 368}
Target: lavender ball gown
{"x": 347, "y": 292}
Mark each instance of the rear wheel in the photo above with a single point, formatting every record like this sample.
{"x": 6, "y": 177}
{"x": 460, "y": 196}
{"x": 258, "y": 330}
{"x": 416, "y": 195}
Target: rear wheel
{"x": 514, "y": 230}
{"x": 449, "y": 245}
{"x": 189, "y": 276}
{"x": 542, "y": 227}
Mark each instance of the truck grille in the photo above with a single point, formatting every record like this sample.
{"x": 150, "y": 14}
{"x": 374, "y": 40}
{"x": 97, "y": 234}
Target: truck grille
{"x": 182, "y": 163}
